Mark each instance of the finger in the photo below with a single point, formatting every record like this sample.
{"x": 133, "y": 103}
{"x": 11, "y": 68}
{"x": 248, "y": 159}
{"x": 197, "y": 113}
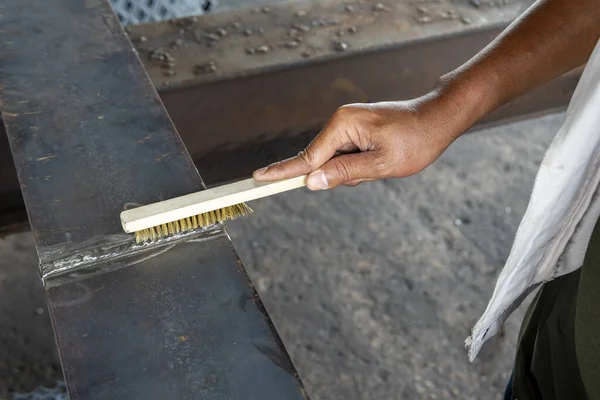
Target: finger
{"x": 347, "y": 148}
{"x": 355, "y": 182}
{"x": 346, "y": 168}
{"x": 321, "y": 149}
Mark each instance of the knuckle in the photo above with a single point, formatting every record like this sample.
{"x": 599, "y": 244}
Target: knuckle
{"x": 384, "y": 166}
{"x": 347, "y": 111}
{"x": 342, "y": 171}
{"x": 361, "y": 115}
{"x": 274, "y": 166}
{"x": 306, "y": 157}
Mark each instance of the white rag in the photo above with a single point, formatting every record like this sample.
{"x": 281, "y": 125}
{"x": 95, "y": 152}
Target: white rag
{"x": 563, "y": 209}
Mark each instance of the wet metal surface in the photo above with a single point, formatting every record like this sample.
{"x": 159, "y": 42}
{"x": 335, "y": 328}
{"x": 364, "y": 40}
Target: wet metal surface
{"x": 89, "y": 136}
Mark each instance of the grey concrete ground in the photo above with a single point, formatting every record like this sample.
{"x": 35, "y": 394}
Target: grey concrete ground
{"x": 373, "y": 288}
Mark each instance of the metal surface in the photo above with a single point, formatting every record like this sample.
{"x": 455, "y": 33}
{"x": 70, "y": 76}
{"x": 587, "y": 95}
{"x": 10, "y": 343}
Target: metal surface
{"x": 237, "y": 111}
{"x": 89, "y": 136}
{"x": 177, "y": 324}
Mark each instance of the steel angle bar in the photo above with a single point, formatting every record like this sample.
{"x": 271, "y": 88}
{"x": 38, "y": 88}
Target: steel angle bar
{"x": 89, "y": 137}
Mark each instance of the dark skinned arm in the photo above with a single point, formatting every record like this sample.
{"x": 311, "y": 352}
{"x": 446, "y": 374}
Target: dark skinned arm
{"x": 398, "y": 139}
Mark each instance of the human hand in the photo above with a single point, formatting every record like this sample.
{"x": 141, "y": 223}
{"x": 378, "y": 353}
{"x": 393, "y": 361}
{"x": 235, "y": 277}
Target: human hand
{"x": 366, "y": 142}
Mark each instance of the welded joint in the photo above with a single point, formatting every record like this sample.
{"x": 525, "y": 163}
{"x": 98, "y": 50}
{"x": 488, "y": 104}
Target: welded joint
{"x": 67, "y": 263}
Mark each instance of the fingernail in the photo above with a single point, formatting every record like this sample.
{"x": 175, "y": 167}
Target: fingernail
{"x": 260, "y": 171}
{"x": 317, "y": 181}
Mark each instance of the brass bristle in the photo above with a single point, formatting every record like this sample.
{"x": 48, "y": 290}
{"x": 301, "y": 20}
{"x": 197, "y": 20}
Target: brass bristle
{"x": 193, "y": 222}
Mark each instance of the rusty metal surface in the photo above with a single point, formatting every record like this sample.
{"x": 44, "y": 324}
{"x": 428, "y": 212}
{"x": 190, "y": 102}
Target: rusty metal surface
{"x": 237, "y": 111}
{"x": 89, "y": 135}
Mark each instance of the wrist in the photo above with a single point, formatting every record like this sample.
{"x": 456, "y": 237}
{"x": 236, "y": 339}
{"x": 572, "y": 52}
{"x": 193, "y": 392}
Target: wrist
{"x": 463, "y": 99}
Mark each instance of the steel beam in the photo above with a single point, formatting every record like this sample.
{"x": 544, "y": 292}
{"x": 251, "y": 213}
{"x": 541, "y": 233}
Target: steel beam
{"x": 237, "y": 111}
{"x": 308, "y": 58}
{"x": 89, "y": 136}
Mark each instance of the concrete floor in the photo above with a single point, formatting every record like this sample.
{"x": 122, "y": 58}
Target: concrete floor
{"x": 373, "y": 289}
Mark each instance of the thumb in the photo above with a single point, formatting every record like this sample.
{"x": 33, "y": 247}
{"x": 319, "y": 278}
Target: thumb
{"x": 344, "y": 169}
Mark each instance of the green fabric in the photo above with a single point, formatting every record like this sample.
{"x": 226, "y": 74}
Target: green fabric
{"x": 558, "y": 355}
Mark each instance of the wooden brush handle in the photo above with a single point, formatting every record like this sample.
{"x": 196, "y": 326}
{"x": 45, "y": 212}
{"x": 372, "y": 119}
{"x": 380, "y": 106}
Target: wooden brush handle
{"x": 204, "y": 201}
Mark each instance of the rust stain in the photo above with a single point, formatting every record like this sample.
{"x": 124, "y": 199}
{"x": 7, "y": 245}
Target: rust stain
{"x": 183, "y": 338}
{"x": 46, "y": 158}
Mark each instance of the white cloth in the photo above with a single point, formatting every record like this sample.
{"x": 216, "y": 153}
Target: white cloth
{"x": 563, "y": 209}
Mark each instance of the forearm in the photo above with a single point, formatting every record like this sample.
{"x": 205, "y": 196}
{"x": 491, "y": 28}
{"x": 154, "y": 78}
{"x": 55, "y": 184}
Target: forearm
{"x": 549, "y": 39}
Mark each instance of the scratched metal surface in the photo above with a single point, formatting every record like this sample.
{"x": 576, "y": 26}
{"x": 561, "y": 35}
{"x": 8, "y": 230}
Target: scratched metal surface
{"x": 86, "y": 127}
{"x": 187, "y": 326}
{"x": 88, "y": 135}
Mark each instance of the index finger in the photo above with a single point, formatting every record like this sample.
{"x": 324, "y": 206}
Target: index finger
{"x": 317, "y": 153}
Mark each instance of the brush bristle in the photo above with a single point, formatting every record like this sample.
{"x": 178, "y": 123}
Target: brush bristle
{"x": 193, "y": 222}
